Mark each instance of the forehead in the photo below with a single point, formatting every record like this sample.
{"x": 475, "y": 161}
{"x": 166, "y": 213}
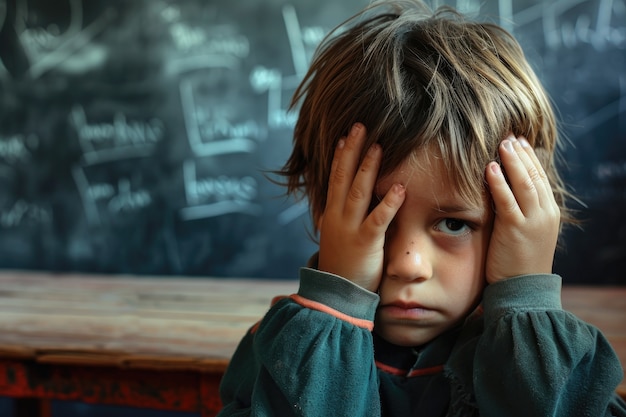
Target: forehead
{"x": 426, "y": 177}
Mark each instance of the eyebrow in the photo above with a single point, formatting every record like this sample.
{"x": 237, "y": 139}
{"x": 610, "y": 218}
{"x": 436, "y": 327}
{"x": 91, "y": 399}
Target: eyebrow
{"x": 455, "y": 208}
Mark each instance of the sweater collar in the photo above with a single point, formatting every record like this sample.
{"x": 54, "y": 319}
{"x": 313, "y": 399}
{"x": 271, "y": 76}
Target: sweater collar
{"x": 414, "y": 361}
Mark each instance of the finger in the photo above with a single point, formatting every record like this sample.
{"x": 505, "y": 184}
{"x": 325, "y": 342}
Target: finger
{"x": 379, "y": 219}
{"x": 360, "y": 194}
{"x": 522, "y": 175}
{"x": 344, "y": 166}
{"x": 544, "y": 188}
{"x": 505, "y": 204}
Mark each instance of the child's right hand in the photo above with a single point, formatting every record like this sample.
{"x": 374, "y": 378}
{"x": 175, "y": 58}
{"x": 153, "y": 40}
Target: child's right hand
{"x": 352, "y": 237}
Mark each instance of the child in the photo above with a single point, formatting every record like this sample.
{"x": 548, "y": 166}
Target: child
{"x": 432, "y": 293}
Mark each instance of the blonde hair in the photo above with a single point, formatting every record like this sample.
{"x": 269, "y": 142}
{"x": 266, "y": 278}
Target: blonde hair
{"x": 419, "y": 79}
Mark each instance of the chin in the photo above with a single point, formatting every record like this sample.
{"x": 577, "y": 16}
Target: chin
{"x": 401, "y": 336}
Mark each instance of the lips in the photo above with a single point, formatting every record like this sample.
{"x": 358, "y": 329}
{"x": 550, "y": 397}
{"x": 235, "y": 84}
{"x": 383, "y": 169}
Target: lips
{"x": 405, "y": 304}
{"x": 405, "y": 310}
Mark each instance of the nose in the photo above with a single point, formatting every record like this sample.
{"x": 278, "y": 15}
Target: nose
{"x": 408, "y": 257}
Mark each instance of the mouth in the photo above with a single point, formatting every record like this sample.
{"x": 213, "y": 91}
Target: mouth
{"x": 406, "y": 311}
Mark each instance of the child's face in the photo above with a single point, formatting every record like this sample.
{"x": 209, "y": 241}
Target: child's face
{"x": 435, "y": 250}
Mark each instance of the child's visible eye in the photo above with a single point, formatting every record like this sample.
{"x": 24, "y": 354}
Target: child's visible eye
{"x": 453, "y": 226}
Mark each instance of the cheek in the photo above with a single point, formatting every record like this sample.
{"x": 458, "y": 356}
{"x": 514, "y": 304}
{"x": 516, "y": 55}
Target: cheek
{"x": 467, "y": 275}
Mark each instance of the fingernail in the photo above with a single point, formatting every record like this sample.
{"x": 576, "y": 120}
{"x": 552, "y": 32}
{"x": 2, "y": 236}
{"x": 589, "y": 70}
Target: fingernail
{"x": 508, "y": 145}
{"x": 355, "y": 128}
{"x": 398, "y": 188}
{"x": 495, "y": 168}
{"x": 341, "y": 143}
{"x": 372, "y": 150}
{"x": 524, "y": 143}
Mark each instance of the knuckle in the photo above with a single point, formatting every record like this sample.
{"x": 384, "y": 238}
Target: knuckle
{"x": 529, "y": 184}
{"x": 378, "y": 219}
{"x": 535, "y": 175}
{"x": 356, "y": 194}
{"x": 339, "y": 175}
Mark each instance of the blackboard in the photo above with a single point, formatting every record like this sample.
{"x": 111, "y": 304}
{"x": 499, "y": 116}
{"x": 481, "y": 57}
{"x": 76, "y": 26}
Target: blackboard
{"x": 134, "y": 135}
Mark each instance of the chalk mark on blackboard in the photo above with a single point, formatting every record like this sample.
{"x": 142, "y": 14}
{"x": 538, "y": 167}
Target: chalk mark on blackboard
{"x": 17, "y": 148}
{"x": 88, "y": 200}
{"x": 219, "y": 208}
{"x": 46, "y": 35}
{"x": 127, "y": 200}
{"x": 611, "y": 171}
{"x": 22, "y": 212}
{"x": 230, "y": 194}
{"x": 218, "y": 43}
{"x": 119, "y": 139}
{"x": 121, "y": 199}
{"x": 293, "y": 212}
{"x": 294, "y": 34}
{"x": 194, "y": 135}
{"x": 221, "y": 187}
{"x": 272, "y": 81}
{"x": 69, "y": 43}
{"x": 600, "y": 116}
{"x": 199, "y": 62}
{"x": 505, "y": 9}
{"x": 469, "y": 8}
{"x": 559, "y": 34}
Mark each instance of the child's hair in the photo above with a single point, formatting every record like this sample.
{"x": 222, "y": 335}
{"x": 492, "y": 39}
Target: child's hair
{"x": 419, "y": 79}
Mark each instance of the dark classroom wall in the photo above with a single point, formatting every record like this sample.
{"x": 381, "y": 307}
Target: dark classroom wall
{"x": 134, "y": 134}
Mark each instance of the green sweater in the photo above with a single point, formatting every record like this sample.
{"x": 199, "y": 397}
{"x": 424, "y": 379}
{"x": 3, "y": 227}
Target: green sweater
{"x": 520, "y": 354}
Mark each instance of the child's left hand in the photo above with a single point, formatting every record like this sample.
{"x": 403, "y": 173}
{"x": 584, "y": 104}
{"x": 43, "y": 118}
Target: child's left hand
{"x": 526, "y": 224}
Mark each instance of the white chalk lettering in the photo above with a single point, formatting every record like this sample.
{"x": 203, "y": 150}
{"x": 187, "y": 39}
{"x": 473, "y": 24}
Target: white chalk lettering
{"x": 99, "y": 191}
{"x": 220, "y": 129}
{"x": 22, "y": 212}
{"x": 119, "y": 139}
{"x": 127, "y": 200}
{"x": 121, "y": 132}
{"x": 186, "y": 37}
{"x": 16, "y": 148}
{"x": 217, "y": 188}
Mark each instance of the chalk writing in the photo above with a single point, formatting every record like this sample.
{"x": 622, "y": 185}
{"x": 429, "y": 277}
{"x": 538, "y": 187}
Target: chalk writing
{"x": 214, "y": 196}
{"x": 598, "y": 117}
{"x": 22, "y": 212}
{"x": 611, "y": 171}
{"x": 121, "y": 138}
{"x": 471, "y": 8}
{"x": 263, "y": 79}
{"x": 99, "y": 191}
{"x": 209, "y": 130}
{"x": 302, "y": 41}
{"x": 215, "y": 42}
{"x": 17, "y": 147}
{"x": 49, "y": 48}
{"x": 106, "y": 196}
{"x": 296, "y": 42}
{"x": 127, "y": 200}
{"x": 559, "y": 32}
{"x": 293, "y": 212}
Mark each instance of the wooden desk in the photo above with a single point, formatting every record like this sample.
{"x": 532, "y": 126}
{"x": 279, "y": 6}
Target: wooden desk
{"x": 160, "y": 343}
{"x": 152, "y": 343}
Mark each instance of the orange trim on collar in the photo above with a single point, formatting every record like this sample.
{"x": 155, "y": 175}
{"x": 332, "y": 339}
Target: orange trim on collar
{"x": 314, "y": 305}
{"x": 409, "y": 373}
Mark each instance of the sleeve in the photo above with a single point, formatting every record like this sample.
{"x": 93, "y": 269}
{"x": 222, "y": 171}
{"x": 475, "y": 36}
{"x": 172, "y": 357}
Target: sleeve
{"x": 535, "y": 359}
{"x": 311, "y": 355}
